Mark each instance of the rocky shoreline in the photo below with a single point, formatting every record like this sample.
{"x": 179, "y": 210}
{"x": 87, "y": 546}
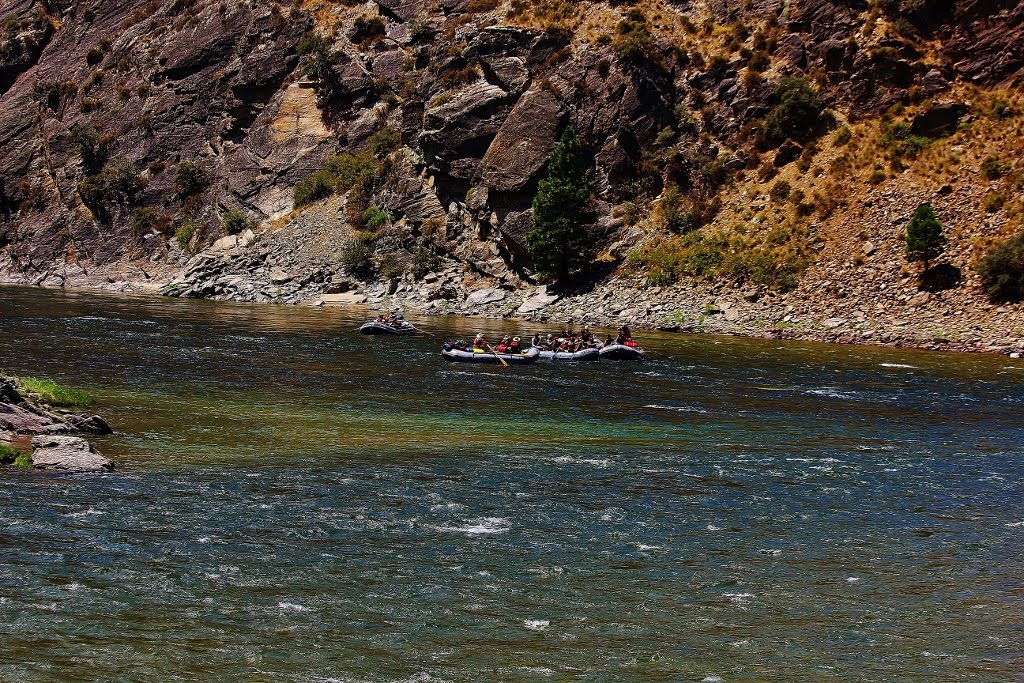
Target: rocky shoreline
{"x": 51, "y": 436}
{"x": 868, "y": 303}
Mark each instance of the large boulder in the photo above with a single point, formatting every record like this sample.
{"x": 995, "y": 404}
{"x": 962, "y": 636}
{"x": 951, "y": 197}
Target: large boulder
{"x": 538, "y": 302}
{"x": 93, "y": 424}
{"x": 67, "y": 454}
{"x": 939, "y": 121}
{"x": 24, "y": 418}
{"x": 523, "y": 143}
{"x": 484, "y": 296}
{"x": 458, "y": 129}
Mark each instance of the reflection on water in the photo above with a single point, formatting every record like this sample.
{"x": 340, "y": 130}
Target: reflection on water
{"x": 298, "y": 502}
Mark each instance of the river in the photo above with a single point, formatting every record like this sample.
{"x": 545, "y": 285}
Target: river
{"x": 296, "y": 502}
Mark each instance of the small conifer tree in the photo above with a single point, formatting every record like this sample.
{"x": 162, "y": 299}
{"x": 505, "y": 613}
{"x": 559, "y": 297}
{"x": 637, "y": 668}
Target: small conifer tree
{"x": 562, "y": 212}
{"x": 925, "y": 238}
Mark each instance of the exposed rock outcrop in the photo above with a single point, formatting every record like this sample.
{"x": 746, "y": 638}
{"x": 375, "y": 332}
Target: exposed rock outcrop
{"x": 67, "y": 454}
{"x": 54, "y": 446}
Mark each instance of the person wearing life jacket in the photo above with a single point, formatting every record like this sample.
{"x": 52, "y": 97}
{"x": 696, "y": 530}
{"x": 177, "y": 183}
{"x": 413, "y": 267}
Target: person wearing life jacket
{"x": 514, "y": 346}
{"x": 479, "y": 342}
{"x": 503, "y": 345}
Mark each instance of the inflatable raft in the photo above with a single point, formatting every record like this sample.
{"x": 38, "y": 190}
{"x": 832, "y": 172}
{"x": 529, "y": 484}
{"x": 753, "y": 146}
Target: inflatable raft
{"x": 621, "y": 352}
{"x": 582, "y": 354}
{"x": 374, "y": 327}
{"x": 477, "y": 356}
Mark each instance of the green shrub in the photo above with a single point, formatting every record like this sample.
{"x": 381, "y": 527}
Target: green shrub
{"x": 357, "y": 257}
{"x": 312, "y": 189}
{"x": 313, "y": 43}
{"x": 94, "y": 56}
{"x": 190, "y": 178}
{"x": 93, "y": 148}
{"x": 759, "y": 61}
{"x": 118, "y": 183}
{"x": 368, "y": 28}
{"x": 680, "y": 213}
{"x": 420, "y": 29}
{"x": 339, "y": 174}
{"x": 356, "y": 204}
{"x": 385, "y": 141}
{"x": 424, "y": 261}
{"x": 842, "y": 136}
{"x": 56, "y": 395}
{"x": 999, "y": 109}
{"x": 10, "y": 455}
{"x": 184, "y": 234}
{"x": 797, "y": 113}
{"x": 54, "y": 94}
{"x": 234, "y": 222}
{"x": 1002, "y": 270}
{"x": 374, "y": 218}
{"x": 992, "y": 168}
{"x": 633, "y": 41}
{"x": 665, "y": 137}
{"x": 780, "y": 191}
{"x": 994, "y": 201}
{"x": 142, "y": 218}
{"x": 897, "y": 130}
{"x": 390, "y": 266}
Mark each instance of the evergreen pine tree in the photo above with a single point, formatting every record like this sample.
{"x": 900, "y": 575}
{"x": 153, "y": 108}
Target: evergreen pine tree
{"x": 562, "y": 211}
{"x": 925, "y": 239}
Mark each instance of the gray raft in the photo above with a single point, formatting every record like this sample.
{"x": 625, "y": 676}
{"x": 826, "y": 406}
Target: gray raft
{"x": 621, "y": 352}
{"x": 476, "y": 356}
{"x": 581, "y": 355}
{"x": 374, "y": 327}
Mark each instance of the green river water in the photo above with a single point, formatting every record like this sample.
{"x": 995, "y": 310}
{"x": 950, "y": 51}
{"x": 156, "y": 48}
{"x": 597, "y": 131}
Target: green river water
{"x": 296, "y": 502}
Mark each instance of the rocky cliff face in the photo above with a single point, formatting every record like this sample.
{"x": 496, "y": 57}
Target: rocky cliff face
{"x": 126, "y": 123}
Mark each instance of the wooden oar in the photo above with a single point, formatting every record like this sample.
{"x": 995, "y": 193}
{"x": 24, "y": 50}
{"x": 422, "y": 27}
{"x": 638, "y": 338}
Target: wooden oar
{"x": 491, "y": 349}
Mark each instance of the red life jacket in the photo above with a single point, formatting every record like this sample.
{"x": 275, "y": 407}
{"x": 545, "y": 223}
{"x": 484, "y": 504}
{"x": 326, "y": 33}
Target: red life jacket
{"x": 632, "y": 344}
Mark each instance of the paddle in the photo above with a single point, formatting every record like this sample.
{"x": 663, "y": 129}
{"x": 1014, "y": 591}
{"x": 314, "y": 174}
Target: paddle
{"x": 489, "y": 348}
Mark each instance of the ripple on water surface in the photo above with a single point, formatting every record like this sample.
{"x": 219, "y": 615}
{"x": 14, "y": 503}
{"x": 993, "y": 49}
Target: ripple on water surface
{"x": 301, "y": 503}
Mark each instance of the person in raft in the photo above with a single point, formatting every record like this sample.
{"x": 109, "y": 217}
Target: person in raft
{"x": 514, "y": 346}
{"x": 626, "y": 337}
{"x": 479, "y": 342}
